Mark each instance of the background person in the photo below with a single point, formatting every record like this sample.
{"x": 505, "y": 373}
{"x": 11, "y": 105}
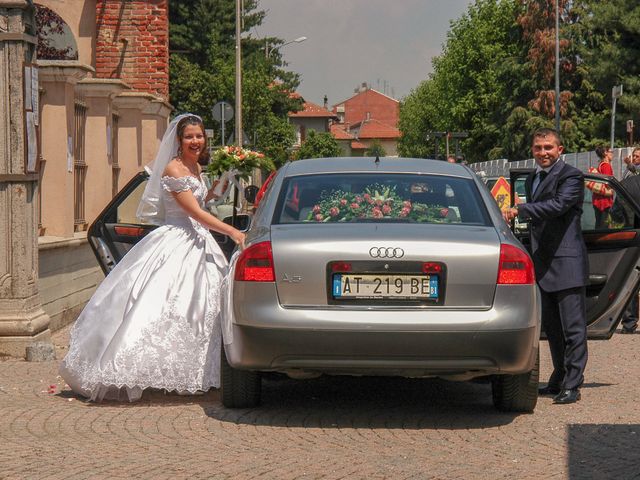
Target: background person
{"x": 554, "y": 195}
{"x": 602, "y": 203}
{"x": 633, "y": 163}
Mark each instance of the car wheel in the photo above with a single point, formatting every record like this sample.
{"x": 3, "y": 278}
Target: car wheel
{"x": 238, "y": 388}
{"x": 517, "y": 393}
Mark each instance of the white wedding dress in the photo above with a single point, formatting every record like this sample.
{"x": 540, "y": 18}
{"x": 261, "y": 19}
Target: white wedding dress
{"x": 154, "y": 320}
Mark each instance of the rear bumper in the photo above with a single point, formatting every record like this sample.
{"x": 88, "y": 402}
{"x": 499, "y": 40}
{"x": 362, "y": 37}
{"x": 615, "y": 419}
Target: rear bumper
{"x": 412, "y": 354}
{"x": 259, "y": 334}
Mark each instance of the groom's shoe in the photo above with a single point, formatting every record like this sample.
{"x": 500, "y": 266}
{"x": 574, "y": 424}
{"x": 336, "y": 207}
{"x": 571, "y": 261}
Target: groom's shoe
{"x": 566, "y": 396}
{"x": 549, "y": 390}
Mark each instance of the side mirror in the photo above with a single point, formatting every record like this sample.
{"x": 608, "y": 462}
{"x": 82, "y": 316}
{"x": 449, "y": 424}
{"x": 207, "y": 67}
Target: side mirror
{"x": 250, "y": 193}
{"x": 241, "y": 221}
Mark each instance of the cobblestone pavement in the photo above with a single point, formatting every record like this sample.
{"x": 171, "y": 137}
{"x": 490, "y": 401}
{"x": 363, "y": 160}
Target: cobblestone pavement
{"x": 329, "y": 428}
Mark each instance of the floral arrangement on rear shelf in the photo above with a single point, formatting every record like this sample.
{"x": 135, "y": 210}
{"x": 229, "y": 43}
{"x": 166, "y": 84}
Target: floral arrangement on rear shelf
{"x": 375, "y": 202}
{"x": 238, "y": 161}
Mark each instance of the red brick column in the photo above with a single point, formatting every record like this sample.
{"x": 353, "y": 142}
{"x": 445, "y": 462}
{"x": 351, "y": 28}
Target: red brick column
{"x": 133, "y": 43}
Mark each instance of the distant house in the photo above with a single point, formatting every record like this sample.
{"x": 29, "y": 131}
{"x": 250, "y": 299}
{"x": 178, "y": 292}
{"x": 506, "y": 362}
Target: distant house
{"x": 345, "y": 139}
{"x": 370, "y": 130}
{"x": 311, "y": 117}
{"x": 368, "y": 116}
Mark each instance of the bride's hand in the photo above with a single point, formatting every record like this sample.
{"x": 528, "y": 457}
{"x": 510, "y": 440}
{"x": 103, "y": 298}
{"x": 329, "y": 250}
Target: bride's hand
{"x": 238, "y": 237}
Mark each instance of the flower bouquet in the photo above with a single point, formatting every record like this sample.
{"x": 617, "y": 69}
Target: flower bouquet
{"x": 238, "y": 160}
{"x": 375, "y": 202}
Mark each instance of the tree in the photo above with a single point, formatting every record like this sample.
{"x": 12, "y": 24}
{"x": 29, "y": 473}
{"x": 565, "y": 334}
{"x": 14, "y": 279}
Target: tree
{"x": 467, "y": 90}
{"x": 376, "y": 149}
{"x": 202, "y": 70}
{"x": 609, "y": 48}
{"x": 318, "y": 145}
{"x": 495, "y": 78}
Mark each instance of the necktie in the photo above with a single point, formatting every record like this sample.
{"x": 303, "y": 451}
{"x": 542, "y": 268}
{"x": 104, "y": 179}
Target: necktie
{"x": 541, "y": 176}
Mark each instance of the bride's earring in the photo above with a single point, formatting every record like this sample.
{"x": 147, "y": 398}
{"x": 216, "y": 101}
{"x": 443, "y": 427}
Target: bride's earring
{"x": 180, "y": 151}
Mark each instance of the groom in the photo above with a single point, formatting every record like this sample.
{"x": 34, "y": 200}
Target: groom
{"x": 555, "y": 192}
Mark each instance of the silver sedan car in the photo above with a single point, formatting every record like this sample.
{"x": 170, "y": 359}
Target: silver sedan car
{"x": 391, "y": 266}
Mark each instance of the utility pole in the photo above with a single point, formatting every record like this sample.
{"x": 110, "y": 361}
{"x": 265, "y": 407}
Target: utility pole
{"x": 616, "y": 93}
{"x": 239, "y": 136}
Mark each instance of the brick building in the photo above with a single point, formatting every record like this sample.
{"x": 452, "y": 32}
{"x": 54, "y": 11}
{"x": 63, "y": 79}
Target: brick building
{"x": 368, "y": 116}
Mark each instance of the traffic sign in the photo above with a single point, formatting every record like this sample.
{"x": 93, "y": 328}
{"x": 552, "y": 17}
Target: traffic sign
{"x": 501, "y": 191}
{"x": 222, "y": 111}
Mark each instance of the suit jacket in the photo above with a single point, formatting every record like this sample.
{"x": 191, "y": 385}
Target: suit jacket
{"x": 553, "y": 212}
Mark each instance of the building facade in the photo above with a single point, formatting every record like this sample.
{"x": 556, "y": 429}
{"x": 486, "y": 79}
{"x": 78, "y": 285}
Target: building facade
{"x": 102, "y": 108}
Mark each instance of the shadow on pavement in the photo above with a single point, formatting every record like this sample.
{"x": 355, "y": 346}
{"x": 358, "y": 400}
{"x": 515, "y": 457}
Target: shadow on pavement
{"x": 369, "y": 402}
{"x": 603, "y": 451}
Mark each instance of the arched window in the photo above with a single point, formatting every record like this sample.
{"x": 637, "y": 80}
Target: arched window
{"x": 55, "y": 39}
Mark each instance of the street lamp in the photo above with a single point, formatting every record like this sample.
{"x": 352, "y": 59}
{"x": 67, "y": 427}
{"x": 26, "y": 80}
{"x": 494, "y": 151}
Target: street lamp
{"x": 616, "y": 93}
{"x": 238, "y": 139}
{"x": 268, "y": 52}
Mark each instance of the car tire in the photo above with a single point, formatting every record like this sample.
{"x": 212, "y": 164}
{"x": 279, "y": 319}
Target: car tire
{"x": 238, "y": 388}
{"x": 517, "y": 393}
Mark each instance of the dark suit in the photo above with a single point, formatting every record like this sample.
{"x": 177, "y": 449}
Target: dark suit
{"x": 559, "y": 255}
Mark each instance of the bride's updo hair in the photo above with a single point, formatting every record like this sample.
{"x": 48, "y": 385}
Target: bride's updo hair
{"x": 203, "y": 159}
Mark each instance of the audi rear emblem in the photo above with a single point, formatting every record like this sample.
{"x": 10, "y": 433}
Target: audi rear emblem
{"x": 386, "y": 252}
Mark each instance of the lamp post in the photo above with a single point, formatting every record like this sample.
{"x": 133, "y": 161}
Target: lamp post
{"x": 238, "y": 139}
{"x": 616, "y": 93}
{"x": 268, "y": 52}
{"x": 557, "y": 68}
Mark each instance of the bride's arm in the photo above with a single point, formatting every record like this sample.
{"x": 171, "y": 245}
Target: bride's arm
{"x": 190, "y": 205}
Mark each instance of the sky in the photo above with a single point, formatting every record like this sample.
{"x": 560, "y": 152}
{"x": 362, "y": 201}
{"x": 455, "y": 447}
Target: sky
{"x": 387, "y": 43}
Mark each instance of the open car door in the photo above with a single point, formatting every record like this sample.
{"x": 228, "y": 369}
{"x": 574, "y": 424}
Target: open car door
{"x": 613, "y": 250}
{"x": 117, "y": 228}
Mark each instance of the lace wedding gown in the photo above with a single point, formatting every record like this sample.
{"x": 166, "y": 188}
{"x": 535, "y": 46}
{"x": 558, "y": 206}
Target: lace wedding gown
{"x": 153, "y": 321}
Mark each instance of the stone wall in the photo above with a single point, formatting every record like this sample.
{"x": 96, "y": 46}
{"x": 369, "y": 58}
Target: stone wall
{"x": 69, "y": 274}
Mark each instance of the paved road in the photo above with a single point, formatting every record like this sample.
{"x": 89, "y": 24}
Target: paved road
{"x": 329, "y": 428}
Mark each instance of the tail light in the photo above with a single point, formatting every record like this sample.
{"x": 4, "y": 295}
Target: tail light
{"x": 255, "y": 264}
{"x": 515, "y": 267}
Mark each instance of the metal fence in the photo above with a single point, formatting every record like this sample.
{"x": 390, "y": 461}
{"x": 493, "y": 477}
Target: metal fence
{"x": 79, "y": 165}
{"x": 582, "y": 161}
{"x": 115, "y": 166}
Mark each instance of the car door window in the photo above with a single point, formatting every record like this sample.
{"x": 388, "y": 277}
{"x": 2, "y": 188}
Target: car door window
{"x": 615, "y": 210}
{"x": 126, "y": 211}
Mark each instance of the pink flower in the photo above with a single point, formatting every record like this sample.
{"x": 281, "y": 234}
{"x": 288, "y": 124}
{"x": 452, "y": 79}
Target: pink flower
{"x": 319, "y": 217}
{"x": 444, "y": 212}
{"x": 406, "y": 204}
{"x": 386, "y": 209}
{"x": 354, "y": 206}
{"x": 334, "y": 211}
{"x": 368, "y": 198}
{"x": 404, "y": 212}
{"x": 316, "y": 209}
{"x": 377, "y": 213}
{"x": 358, "y": 199}
{"x": 343, "y": 202}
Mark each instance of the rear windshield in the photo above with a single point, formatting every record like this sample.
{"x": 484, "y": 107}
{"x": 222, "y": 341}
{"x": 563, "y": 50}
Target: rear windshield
{"x": 360, "y": 198}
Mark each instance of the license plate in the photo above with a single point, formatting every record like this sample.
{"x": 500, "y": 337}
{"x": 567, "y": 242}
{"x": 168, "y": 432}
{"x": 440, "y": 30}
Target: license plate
{"x": 385, "y": 287}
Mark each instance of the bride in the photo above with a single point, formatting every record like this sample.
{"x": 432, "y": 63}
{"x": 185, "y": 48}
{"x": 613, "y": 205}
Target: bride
{"x": 153, "y": 321}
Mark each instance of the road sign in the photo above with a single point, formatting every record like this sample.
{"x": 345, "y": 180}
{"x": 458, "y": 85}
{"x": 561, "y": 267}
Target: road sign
{"x": 232, "y": 139}
{"x": 501, "y": 191}
{"x": 222, "y": 111}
